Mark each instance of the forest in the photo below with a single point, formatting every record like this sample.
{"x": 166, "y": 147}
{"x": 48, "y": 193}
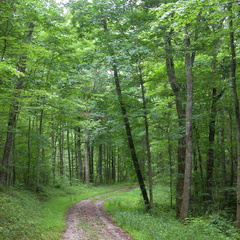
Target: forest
{"x": 102, "y": 92}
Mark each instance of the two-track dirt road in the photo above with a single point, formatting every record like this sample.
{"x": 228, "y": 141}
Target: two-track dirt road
{"x": 87, "y": 220}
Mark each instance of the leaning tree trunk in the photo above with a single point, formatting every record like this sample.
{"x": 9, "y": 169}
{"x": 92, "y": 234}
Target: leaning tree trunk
{"x": 127, "y": 124}
{"x": 13, "y": 113}
{"x": 149, "y": 158}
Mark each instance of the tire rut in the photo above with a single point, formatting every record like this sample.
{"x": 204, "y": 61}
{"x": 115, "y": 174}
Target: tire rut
{"x": 87, "y": 220}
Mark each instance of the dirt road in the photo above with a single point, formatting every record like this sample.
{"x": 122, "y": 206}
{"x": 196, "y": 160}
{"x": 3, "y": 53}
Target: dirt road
{"x": 87, "y": 220}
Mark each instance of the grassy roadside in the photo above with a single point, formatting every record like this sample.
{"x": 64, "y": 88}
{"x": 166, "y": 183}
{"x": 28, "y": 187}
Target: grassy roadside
{"x": 160, "y": 223}
{"x": 40, "y": 216}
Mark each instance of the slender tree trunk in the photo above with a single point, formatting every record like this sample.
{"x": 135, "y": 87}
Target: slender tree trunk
{"x": 184, "y": 211}
{"x": 198, "y": 139}
{"x": 108, "y": 165}
{"x": 69, "y": 157}
{"x": 211, "y": 139}
{"x": 181, "y": 120}
{"x": 237, "y": 111}
{"x": 120, "y": 175}
{"x": 149, "y": 157}
{"x": 105, "y": 162}
{"x": 91, "y": 162}
{"x": 230, "y": 149}
{"x": 29, "y": 153}
{"x": 40, "y": 149}
{"x": 14, "y": 173}
{"x": 127, "y": 124}
{"x": 54, "y": 155}
{"x": 100, "y": 162}
{"x": 61, "y": 152}
{"x": 13, "y": 112}
{"x": 113, "y": 167}
{"x": 222, "y": 151}
{"x": 170, "y": 171}
{"x": 86, "y": 159}
{"x": 79, "y": 155}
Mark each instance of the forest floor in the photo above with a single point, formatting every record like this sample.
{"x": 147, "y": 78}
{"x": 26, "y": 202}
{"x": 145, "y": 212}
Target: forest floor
{"x": 88, "y": 220}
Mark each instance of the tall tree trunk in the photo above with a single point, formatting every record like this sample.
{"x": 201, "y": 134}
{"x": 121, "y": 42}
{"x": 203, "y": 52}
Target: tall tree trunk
{"x": 100, "y": 162}
{"x": 61, "y": 151}
{"x": 127, "y": 124}
{"x": 223, "y": 153}
{"x": 86, "y": 159}
{"x": 29, "y": 153}
{"x": 237, "y": 111}
{"x": 14, "y": 173}
{"x": 181, "y": 120}
{"x": 149, "y": 158}
{"x": 40, "y": 149}
{"x": 170, "y": 171}
{"x": 54, "y": 155}
{"x": 79, "y": 164}
{"x": 119, "y": 160}
{"x": 184, "y": 211}
{"x": 211, "y": 139}
{"x": 13, "y": 112}
{"x": 108, "y": 164}
{"x": 69, "y": 157}
{"x": 91, "y": 162}
{"x": 230, "y": 149}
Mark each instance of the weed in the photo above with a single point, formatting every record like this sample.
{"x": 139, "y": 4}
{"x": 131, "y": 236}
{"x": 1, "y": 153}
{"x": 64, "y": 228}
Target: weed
{"x": 160, "y": 223}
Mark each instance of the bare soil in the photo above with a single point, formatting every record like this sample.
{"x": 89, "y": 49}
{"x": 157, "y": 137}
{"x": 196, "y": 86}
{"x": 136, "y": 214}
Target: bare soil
{"x": 89, "y": 221}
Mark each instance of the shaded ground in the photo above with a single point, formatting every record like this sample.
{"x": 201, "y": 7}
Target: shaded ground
{"x": 87, "y": 220}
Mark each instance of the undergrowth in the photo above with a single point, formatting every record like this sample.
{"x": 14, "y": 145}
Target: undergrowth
{"x": 31, "y": 215}
{"x": 160, "y": 223}
{"x": 19, "y": 214}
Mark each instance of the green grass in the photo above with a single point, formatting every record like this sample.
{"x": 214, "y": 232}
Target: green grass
{"x": 53, "y": 211}
{"x": 41, "y": 216}
{"x": 19, "y": 214}
{"x": 160, "y": 223}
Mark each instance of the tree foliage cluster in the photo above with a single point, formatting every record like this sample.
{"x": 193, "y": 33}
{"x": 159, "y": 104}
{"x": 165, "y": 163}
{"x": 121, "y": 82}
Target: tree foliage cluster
{"x": 90, "y": 86}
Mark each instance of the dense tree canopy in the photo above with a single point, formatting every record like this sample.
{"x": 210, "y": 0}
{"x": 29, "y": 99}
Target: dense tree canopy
{"x": 109, "y": 91}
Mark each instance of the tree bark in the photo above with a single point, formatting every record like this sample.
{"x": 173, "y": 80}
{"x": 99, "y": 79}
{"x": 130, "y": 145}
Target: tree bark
{"x": 40, "y": 149}
{"x": 149, "y": 158}
{"x": 181, "y": 149}
{"x": 79, "y": 164}
{"x": 29, "y": 153}
{"x": 127, "y": 123}
{"x": 70, "y": 167}
{"x": 100, "y": 159}
{"x": 91, "y": 162}
{"x": 13, "y": 112}
{"x": 113, "y": 165}
{"x": 211, "y": 139}
{"x": 86, "y": 159}
{"x": 61, "y": 152}
{"x": 184, "y": 211}
{"x": 231, "y": 149}
{"x": 236, "y": 106}
{"x": 54, "y": 154}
